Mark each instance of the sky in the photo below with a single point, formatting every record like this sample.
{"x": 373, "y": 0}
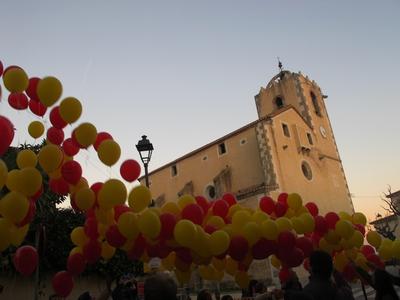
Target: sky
{"x": 185, "y": 72}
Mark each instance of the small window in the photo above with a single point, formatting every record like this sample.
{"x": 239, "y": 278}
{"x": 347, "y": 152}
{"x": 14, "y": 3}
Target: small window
{"x": 243, "y": 141}
{"x": 314, "y": 100}
{"x": 205, "y": 157}
{"x": 279, "y": 102}
{"x": 285, "y": 129}
{"x": 211, "y": 193}
{"x": 306, "y": 169}
{"x": 174, "y": 171}
{"x": 309, "y": 137}
{"x": 221, "y": 149}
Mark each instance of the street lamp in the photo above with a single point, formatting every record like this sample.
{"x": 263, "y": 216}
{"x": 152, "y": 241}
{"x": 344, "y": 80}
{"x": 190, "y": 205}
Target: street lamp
{"x": 145, "y": 149}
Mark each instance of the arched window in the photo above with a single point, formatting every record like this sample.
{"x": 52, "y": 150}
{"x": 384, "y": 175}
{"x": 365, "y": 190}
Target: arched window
{"x": 305, "y": 167}
{"x": 314, "y": 100}
{"x": 279, "y": 102}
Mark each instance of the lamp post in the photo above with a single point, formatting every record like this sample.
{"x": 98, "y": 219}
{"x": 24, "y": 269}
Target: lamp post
{"x": 145, "y": 149}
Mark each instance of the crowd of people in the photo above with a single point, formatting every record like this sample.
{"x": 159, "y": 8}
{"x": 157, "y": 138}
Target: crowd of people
{"x": 324, "y": 283}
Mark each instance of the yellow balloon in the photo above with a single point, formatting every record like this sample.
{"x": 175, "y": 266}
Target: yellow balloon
{"x": 49, "y": 90}
{"x": 78, "y": 236}
{"x": 325, "y": 246}
{"x": 359, "y": 218}
{"x": 283, "y": 224}
{"x": 240, "y": 218}
{"x": 182, "y": 277}
{"x": 128, "y": 225}
{"x": 374, "y": 239}
{"x": 70, "y": 109}
{"x": 149, "y": 224}
{"x": 294, "y": 201}
{"x": 230, "y": 230}
{"x": 332, "y": 237}
{"x": 30, "y": 181}
{"x": 139, "y": 198}
{"x": 361, "y": 261}
{"x": 169, "y": 262}
{"x": 251, "y": 232}
{"x": 259, "y": 217}
{"x": 269, "y": 230}
{"x": 15, "y": 80}
{"x": 298, "y": 225}
{"x": 242, "y": 279}
{"x": 357, "y": 239}
{"x": 216, "y": 221}
{"x": 12, "y": 182}
{"x": 233, "y": 209}
{"x": 231, "y": 266}
{"x": 185, "y": 233}
{"x": 345, "y": 216}
{"x": 385, "y": 252}
{"x": 50, "y": 158}
{"x": 36, "y": 129}
{"x": 170, "y": 207}
{"x": 18, "y": 234}
{"x": 82, "y": 183}
{"x": 308, "y": 221}
{"x": 75, "y": 250}
{"x": 396, "y": 249}
{"x": 107, "y": 251}
{"x": 86, "y": 134}
{"x": 14, "y": 206}
{"x": 109, "y": 152}
{"x": 340, "y": 261}
{"x": 219, "y": 242}
{"x": 5, "y": 234}
{"x": 26, "y": 158}
{"x": 219, "y": 264}
{"x": 275, "y": 262}
{"x": 112, "y": 192}
{"x": 3, "y": 173}
{"x": 185, "y": 200}
{"x": 105, "y": 216}
{"x": 85, "y": 198}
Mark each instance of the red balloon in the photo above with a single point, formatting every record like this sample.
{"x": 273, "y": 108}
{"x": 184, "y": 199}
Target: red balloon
{"x": 1, "y": 68}
{"x": 238, "y": 248}
{"x": 284, "y": 275}
{"x": 286, "y": 239}
{"x": 168, "y": 222}
{"x": 30, "y": 214}
{"x": 101, "y": 136}
{"x": 26, "y": 260}
{"x": 194, "y": 213}
{"x": 37, "y": 195}
{"x": 306, "y": 264}
{"x": 315, "y": 237}
{"x": 55, "y": 118}
{"x": 312, "y": 208}
{"x": 281, "y": 208}
{"x": 6, "y": 134}
{"x": 220, "y": 208}
{"x": 76, "y": 264}
{"x": 210, "y": 229}
{"x": 59, "y": 186}
{"x": 184, "y": 255}
{"x": 96, "y": 187}
{"x": 18, "y": 101}
{"x": 92, "y": 251}
{"x": 55, "y": 135}
{"x": 73, "y": 204}
{"x": 321, "y": 226}
{"x": 360, "y": 228}
{"x": 37, "y": 108}
{"x": 32, "y": 87}
{"x": 305, "y": 244}
{"x": 349, "y": 273}
{"x": 71, "y": 171}
{"x": 375, "y": 259}
{"x": 153, "y": 250}
{"x": 203, "y": 202}
{"x": 62, "y": 283}
{"x": 69, "y": 147}
{"x": 263, "y": 248}
{"x": 283, "y": 197}
{"x": 331, "y": 219}
{"x": 139, "y": 246}
{"x": 130, "y": 170}
{"x": 267, "y": 205}
{"x": 367, "y": 250}
{"x": 119, "y": 210}
{"x": 296, "y": 258}
{"x": 229, "y": 198}
{"x": 90, "y": 228}
{"x": 114, "y": 237}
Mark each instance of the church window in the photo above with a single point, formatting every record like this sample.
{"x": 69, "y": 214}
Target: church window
{"x": 314, "y": 100}
{"x": 243, "y": 141}
{"x": 221, "y": 149}
{"x": 306, "y": 169}
{"x": 285, "y": 129}
{"x": 309, "y": 137}
{"x": 279, "y": 102}
{"x": 205, "y": 157}
{"x": 211, "y": 193}
{"x": 174, "y": 171}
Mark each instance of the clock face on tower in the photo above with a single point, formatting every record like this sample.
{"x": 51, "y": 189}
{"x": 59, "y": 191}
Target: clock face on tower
{"x": 323, "y": 131}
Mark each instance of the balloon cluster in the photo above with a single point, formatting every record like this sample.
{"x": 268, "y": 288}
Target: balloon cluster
{"x": 191, "y": 233}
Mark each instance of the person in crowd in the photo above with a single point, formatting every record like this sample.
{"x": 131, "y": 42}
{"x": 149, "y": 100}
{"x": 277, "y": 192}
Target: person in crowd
{"x": 204, "y": 295}
{"x": 160, "y": 286}
{"x": 383, "y": 284}
{"x": 320, "y": 285}
{"x": 343, "y": 289}
{"x": 227, "y": 297}
{"x": 125, "y": 289}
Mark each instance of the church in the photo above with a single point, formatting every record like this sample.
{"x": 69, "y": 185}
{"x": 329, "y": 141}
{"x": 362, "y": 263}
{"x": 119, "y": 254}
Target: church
{"x": 290, "y": 147}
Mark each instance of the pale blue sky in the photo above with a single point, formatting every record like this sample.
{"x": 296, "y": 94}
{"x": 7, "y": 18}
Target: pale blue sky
{"x": 185, "y": 72}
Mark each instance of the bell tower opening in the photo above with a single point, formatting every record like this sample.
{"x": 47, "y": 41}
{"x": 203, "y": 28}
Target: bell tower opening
{"x": 279, "y": 102}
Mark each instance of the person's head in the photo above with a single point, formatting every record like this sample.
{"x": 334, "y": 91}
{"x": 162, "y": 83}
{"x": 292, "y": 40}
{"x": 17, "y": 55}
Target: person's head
{"x": 227, "y": 297}
{"x": 204, "y": 295}
{"x": 321, "y": 264}
{"x": 160, "y": 286}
